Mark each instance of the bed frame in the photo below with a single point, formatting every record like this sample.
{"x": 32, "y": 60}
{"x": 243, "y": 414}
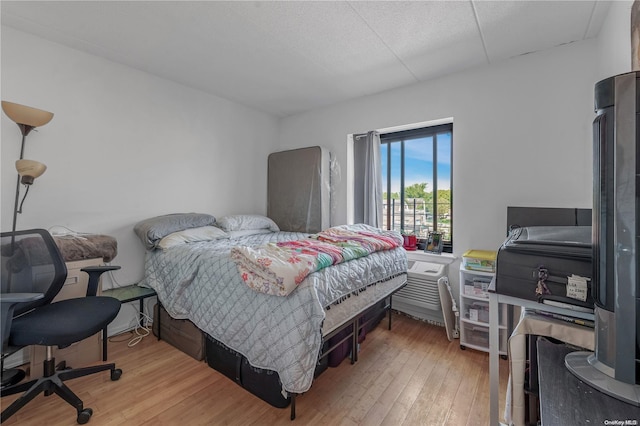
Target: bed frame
{"x": 230, "y": 363}
{"x": 345, "y": 319}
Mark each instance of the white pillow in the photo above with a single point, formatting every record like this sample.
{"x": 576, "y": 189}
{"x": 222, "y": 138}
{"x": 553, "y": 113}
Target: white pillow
{"x": 203, "y": 233}
{"x": 242, "y": 222}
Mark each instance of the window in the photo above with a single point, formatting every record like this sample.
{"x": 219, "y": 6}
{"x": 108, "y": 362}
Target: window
{"x": 416, "y": 180}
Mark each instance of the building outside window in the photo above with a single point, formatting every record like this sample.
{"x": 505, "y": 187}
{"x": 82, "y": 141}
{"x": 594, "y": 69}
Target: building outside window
{"x": 417, "y": 181}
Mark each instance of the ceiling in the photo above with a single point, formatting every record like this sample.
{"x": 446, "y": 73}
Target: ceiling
{"x": 292, "y": 56}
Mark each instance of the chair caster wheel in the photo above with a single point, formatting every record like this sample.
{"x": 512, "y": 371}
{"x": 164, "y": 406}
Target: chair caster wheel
{"x": 115, "y": 374}
{"x": 84, "y": 416}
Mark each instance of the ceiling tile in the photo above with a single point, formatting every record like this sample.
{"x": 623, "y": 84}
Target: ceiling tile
{"x": 512, "y": 28}
{"x": 429, "y": 38}
{"x": 285, "y": 57}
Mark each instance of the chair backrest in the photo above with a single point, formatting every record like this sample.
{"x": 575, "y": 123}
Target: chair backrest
{"x": 31, "y": 263}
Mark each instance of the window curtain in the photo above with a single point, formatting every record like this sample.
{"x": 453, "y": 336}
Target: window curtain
{"x": 368, "y": 180}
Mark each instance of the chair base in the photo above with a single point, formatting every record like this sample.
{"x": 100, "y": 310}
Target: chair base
{"x": 53, "y": 382}
{"x": 11, "y": 376}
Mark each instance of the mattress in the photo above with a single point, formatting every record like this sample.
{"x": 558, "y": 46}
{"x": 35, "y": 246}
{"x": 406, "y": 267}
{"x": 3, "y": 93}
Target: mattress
{"x": 199, "y": 282}
{"x": 299, "y": 189}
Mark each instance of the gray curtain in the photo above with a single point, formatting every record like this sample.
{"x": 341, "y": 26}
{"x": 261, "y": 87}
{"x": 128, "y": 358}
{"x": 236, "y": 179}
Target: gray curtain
{"x": 368, "y": 179}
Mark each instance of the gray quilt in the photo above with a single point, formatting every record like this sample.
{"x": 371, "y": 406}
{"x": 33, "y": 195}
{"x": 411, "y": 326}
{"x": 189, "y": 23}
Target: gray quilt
{"x": 200, "y": 282}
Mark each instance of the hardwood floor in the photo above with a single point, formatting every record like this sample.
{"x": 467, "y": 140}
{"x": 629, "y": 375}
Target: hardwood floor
{"x": 411, "y": 375}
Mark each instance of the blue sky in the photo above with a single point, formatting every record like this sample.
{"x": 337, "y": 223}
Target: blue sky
{"x": 419, "y": 164}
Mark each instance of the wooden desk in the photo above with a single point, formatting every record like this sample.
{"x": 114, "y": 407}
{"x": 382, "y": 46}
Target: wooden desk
{"x": 567, "y": 400}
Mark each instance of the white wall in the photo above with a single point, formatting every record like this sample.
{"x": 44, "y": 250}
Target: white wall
{"x": 614, "y": 41}
{"x": 522, "y": 135}
{"x": 125, "y": 145}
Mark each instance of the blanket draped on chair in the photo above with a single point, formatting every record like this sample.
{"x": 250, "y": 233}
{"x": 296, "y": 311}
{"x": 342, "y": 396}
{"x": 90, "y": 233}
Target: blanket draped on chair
{"x": 278, "y": 268}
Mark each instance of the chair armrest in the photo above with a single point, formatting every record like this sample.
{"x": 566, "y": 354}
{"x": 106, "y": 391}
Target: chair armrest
{"x": 7, "y": 304}
{"x": 94, "y": 276}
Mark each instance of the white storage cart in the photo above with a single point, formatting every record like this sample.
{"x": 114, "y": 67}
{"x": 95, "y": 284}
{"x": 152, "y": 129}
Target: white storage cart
{"x": 474, "y": 312}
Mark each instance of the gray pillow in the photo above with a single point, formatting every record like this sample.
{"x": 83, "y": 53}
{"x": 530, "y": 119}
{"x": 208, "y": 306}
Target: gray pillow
{"x": 152, "y": 230}
{"x": 243, "y": 222}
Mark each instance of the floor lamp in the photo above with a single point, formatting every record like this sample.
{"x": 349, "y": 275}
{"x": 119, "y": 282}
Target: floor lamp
{"x": 27, "y": 119}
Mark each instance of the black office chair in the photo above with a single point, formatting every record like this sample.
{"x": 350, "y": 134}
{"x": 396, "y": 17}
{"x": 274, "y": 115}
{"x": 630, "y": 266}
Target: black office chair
{"x": 33, "y": 272}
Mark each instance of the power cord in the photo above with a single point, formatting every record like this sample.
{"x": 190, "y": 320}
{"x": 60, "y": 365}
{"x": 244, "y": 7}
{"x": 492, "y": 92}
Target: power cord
{"x": 114, "y": 281}
{"x": 64, "y": 232}
{"x": 140, "y": 331}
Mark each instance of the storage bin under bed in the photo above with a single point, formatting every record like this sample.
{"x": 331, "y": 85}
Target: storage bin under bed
{"x": 265, "y": 384}
{"x": 180, "y": 333}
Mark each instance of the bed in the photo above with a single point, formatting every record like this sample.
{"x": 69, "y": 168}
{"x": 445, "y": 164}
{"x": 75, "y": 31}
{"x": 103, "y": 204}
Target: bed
{"x": 196, "y": 279}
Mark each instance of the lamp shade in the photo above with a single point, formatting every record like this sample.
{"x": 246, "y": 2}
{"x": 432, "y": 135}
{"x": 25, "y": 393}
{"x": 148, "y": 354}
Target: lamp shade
{"x": 29, "y": 170}
{"x": 28, "y": 116}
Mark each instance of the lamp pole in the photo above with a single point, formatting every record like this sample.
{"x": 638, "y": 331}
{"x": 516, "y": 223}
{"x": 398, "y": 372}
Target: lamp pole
{"x": 24, "y": 129}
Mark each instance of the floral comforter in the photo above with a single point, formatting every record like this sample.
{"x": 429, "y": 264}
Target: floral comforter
{"x": 278, "y": 268}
